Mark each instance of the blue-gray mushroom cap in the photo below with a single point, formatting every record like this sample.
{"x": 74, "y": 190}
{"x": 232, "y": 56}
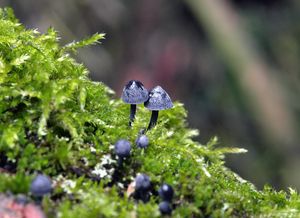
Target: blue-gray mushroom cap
{"x": 134, "y": 92}
{"x": 40, "y": 185}
{"x": 158, "y": 100}
{"x": 142, "y": 141}
{"x": 165, "y": 208}
{"x": 142, "y": 182}
{"x": 166, "y": 192}
{"x": 122, "y": 148}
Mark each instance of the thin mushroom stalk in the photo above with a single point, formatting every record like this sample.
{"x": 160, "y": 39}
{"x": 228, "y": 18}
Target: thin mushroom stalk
{"x": 132, "y": 113}
{"x": 153, "y": 120}
{"x": 120, "y": 162}
{"x": 38, "y": 200}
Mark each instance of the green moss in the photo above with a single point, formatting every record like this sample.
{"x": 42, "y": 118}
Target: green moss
{"x": 56, "y": 120}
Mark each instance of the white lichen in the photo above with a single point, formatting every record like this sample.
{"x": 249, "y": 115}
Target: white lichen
{"x": 85, "y": 161}
{"x": 106, "y": 159}
{"x": 68, "y": 186}
{"x": 100, "y": 170}
{"x": 93, "y": 150}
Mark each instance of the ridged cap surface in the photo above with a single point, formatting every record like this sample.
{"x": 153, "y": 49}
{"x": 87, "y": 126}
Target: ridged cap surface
{"x": 134, "y": 92}
{"x": 158, "y": 100}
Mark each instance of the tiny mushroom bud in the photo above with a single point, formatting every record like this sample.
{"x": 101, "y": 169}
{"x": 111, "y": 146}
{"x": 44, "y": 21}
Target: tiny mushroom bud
{"x": 142, "y": 183}
{"x": 166, "y": 192}
{"x": 142, "y": 141}
{"x": 122, "y": 148}
{"x": 134, "y": 93}
{"x": 40, "y": 186}
{"x": 142, "y": 187}
{"x": 158, "y": 100}
{"x": 165, "y": 208}
{"x": 21, "y": 199}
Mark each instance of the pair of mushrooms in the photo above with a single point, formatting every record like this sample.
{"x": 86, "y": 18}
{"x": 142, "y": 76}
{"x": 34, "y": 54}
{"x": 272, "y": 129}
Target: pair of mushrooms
{"x": 157, "y": 99}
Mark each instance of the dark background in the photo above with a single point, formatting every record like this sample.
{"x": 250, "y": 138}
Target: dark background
{"x": 234, "y": 64}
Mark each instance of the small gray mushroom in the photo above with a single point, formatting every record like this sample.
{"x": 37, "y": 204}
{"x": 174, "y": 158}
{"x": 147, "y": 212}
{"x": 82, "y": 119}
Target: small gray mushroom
{"x": 142, "y": 141}
{"x": 122, "y": 150}
{"x": 134, "y": 93}
{"x": 158, "y": 100}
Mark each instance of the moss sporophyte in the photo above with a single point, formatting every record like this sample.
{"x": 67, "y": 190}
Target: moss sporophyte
{"x": 59, "y": 123}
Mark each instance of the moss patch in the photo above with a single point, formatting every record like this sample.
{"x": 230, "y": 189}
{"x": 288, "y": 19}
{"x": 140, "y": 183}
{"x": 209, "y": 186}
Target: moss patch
{"x": 55, "y": 120}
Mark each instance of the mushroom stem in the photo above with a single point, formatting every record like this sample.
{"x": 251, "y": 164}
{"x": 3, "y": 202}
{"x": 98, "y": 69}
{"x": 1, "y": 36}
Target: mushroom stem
{"x": 153, "y": 119}
{"x": 132, "y": 113}
{"x": 120, "y": 162}
{"x": 38, "y": 200}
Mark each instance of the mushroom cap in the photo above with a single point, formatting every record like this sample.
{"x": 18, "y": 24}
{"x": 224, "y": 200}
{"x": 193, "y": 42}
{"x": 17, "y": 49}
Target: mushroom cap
{"x": 142, "y": 141}
{"x": 134, "y": 92}
{"x": 165, "y": 208}
{"x": 40, "y": 185}
{"x": 158, "y": 100}
{"x": 122, "y": 148}
{"x": 142, "y": 183}
{"x": 166, "y": 192}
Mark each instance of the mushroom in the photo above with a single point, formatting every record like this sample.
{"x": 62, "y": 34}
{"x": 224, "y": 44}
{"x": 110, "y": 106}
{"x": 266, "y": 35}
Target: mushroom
{"x": 158, "y": 100}
{"x": 142, "y": 141}
{"x": 142, "y": 187}
{"x": 165, "y": 208}
{"x": 40, "y": 186}
{"x": 134, "y": 93}
{"x": 122, "y": 150}
{"x": 166, "y": 192}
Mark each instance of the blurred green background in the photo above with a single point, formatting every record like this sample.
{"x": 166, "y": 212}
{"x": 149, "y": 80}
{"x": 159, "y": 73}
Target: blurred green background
{"x": 234, "y": 64}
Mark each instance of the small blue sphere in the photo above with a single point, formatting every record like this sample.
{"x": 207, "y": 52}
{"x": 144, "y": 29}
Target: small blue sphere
{"x": 165, "y": 208}
{"x": 142, "y": 141}
{"x": 122, "y": 148}
{"x": 166, "y": 192}
{"x": 142, "y": 183}
{"x": 40, "y": 185}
